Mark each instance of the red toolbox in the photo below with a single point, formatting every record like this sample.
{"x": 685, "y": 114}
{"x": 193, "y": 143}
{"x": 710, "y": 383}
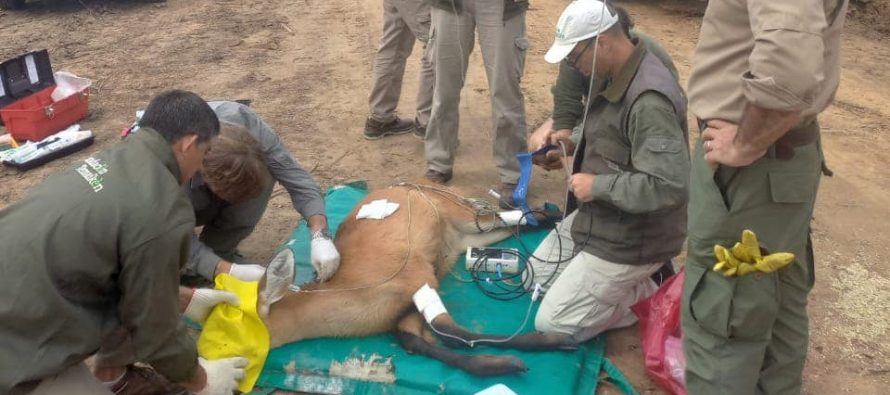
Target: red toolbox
{"x": 26, "y": 108}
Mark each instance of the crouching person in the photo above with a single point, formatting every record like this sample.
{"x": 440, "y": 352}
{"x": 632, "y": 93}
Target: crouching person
{"x": 629, "y": 182}
{"x": 96, "y": 251}
{"x": 232, "y": 191}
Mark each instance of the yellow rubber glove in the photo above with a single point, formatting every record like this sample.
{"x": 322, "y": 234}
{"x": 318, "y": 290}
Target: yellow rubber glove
{"x": 773, "y": 262}
{"x": 745, "y": 257}
{"x": 236, "y": 331}
{"x": 749, "y": 249}
{"x": 726, "y": 262}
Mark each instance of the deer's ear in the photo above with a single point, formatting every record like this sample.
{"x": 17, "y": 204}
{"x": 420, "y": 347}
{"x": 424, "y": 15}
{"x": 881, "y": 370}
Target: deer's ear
{"x": 279, "y": 276}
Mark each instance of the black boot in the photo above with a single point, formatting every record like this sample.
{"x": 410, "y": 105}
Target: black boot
{"x": 375, "y": 130}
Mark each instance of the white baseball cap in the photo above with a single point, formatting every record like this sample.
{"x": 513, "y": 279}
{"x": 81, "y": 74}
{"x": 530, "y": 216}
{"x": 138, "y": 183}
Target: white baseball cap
{"x": 581, "y": 20}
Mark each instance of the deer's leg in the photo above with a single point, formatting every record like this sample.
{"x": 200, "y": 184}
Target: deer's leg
{"x": 454, "y": 335}
{"x": 410, "y": 334}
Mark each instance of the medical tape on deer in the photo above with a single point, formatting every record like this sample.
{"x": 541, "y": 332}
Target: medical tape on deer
{"x": 429, "y": 303}
{"x": 514, "y": 217}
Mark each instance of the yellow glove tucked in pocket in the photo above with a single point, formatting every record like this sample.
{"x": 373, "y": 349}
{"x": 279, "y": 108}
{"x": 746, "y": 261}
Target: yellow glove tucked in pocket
{"x": 745, "y": 257}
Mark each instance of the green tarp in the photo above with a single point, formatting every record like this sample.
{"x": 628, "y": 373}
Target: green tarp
{"x": 303, "y": 366}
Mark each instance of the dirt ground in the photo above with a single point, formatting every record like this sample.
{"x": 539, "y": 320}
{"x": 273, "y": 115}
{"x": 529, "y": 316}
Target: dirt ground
{"x": 306, "y": 65}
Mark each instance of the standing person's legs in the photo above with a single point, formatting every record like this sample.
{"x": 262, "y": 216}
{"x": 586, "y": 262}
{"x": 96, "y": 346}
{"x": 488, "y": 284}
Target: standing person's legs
{"x": 416, "y": 13}
{"x": 452, "y": 41}
{"x": 748, "y": 334}
{"x": 76, "y": 380}
{"x": 504, "y": 44}
{"x": 234, "y": 223}
{"x": 593, "y": 295}
{"x": 396, "y": 44}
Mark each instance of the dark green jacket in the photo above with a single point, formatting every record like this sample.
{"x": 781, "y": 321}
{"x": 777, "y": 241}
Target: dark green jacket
{"x": 91, "y": 249}
{"x": 570, "y": 89}
{"x": 511, "y": 7}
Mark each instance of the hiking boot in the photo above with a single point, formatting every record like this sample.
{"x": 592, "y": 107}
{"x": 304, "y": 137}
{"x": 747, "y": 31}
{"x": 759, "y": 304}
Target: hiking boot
{"x": 145, "y": 381}
{"x": 506, "y": 201}
{"x": 419, "y": 130}
{"x": 375, "y": 129}
{"x": 438, "y": 177}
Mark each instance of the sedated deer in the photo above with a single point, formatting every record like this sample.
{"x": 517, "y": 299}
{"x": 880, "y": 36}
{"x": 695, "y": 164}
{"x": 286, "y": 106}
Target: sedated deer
{"x": 383, "y": 263}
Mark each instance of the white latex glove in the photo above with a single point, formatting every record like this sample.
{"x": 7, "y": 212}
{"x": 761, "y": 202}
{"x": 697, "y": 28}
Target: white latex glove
{"x": 203, "y": 301}
{"x": 223, "y": 375}
{"x": 325, "y": 258}
{"x": 247, "y": 272}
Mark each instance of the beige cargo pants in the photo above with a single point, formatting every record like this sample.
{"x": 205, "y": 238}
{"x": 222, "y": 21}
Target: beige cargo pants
{"x": 504, "y": 45}
{"x": 404, "y": 22}
{"x": 586, "y": 295}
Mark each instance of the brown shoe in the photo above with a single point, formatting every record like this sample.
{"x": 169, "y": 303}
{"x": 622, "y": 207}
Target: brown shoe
{"x": 376, "y": 130}
{"x": 145, "y": 381}
{"x": 506, "y": 201}
{"x": 438, "y": 177}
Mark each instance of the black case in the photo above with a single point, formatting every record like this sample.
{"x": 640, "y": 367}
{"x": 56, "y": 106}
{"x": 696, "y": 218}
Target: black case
{"x": 25, "y": 75}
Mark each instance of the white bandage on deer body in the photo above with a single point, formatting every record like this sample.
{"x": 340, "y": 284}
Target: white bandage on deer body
{"x": 377, "y": 209}
{"x": 512, "y": 218}
{"x": 428, "y": 303}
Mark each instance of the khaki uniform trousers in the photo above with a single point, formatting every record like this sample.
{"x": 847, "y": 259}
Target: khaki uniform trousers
{"x": 748, "y": 335}
{"x": 586, "y": 295}
{"x": 404, "y": 22}
{"x": 504, "y": 45}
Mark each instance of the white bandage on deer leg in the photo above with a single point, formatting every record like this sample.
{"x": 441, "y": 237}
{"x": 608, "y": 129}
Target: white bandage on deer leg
{"x": 512, "y": 218}
{"x": 428, "y": 303}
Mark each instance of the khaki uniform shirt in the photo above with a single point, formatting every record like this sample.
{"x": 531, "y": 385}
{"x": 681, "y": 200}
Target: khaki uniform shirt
{"x": 779, "y": 55}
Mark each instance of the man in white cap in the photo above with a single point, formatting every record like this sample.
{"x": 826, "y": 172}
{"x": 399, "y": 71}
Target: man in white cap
{"x": 629, "y": 181}
{"x": 569, "y": 95}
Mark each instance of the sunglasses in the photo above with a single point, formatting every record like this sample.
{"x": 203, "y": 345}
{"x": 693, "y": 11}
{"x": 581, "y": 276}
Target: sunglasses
{"x": 572, "y": 61}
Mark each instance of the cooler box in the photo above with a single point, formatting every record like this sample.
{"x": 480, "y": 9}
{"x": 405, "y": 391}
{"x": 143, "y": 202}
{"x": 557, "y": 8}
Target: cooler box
{"x": 26, "y": 108}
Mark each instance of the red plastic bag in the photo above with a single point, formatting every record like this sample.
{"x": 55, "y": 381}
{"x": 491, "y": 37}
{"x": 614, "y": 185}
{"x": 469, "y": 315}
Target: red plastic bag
{"x": 660, "y": 335}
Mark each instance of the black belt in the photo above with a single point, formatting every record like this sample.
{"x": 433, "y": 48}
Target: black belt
{"x": 783, "y": 148}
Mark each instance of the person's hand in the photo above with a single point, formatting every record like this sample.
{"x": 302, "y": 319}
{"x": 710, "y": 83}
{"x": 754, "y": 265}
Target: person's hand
{"x": 721, "y": 148}
{"x": 247, "y": 272}
{"x": 582, "y": 186}
{"x": 203, "y": 300}
{"x": 223, "y": 375}
{"x": 563, "y": 136}
{"x": 324, "y": 256}
{"x": 553, "y": 159}
{"x": 540, "y": 136}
